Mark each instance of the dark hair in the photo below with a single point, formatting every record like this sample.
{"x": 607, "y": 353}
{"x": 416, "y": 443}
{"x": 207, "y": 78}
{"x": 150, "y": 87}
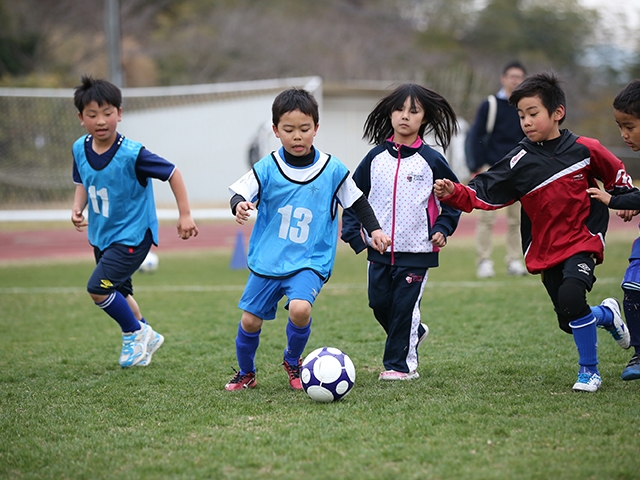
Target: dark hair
{"x": 439, "y": 116}
{"x": 514, "y": 64}
{"x": 100, "y": 91}
{"x": 545, "y": 86}
{"x": 294, "y": 99}
{"x": 628, "y": 100}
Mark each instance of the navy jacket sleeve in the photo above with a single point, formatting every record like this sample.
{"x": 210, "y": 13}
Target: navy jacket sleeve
{"x": 626, "y": 201}
{"x": 351, "y": 226}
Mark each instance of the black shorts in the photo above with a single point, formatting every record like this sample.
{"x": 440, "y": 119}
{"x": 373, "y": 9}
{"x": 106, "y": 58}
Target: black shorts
{"x": 115, "y": 265}
{"x": 581, "y": 266}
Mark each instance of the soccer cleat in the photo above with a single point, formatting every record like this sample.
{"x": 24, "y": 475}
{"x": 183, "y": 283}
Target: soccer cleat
{"x": 392, "y": 375}
{"x": 134, "y": 346}
{"x": 485, "y": 269}
{"x": 294, "y": 374}
{"x": 154, "y": 344}
{"x": 587, "y": 382}
{"x": 424, "y": 335}
{"x": 516, "y": 269}
{"x": 617, "y": 329}
{"x": 240, "y": 382}
{"x": 632, "y": 372}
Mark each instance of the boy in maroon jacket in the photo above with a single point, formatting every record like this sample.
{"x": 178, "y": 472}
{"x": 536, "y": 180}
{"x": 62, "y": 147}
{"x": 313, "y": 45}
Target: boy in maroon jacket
{"x": 562, "y": 228}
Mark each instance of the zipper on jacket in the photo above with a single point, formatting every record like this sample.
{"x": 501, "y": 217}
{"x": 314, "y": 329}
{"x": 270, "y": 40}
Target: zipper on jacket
{"x": 393, "y": 205}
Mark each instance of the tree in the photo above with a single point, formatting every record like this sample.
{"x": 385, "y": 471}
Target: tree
{"x": 543, "y": 31}
{"x": 17, "y": 44}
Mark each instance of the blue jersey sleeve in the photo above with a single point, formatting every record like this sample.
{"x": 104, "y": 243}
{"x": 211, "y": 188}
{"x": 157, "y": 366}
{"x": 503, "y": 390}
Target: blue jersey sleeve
{"x": 150, "y": 165}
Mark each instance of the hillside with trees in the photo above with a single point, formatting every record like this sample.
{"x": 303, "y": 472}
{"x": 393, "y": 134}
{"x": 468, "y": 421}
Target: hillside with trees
{"x": 452, "y": 46}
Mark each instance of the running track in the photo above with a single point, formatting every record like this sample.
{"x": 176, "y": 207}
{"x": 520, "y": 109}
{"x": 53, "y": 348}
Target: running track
{"x": 59, "y": 243}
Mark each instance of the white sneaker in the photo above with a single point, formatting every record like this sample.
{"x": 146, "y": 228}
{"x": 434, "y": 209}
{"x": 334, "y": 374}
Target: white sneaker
{"x": 516, "y": 268}
{"x": 393, "y": 375}
{"x": 618, "y": 329}
{"x": 134, "y": 346}
{"x": 424, "y": 335}
{"x": 587, "y": 382}
{"x": 485, "y": 269}
{"x": 154, "y": 344}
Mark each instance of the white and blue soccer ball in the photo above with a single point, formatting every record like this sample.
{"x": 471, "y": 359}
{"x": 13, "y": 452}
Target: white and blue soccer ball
{"x": 150, "y": 263}
{"x": 327, "y": 374}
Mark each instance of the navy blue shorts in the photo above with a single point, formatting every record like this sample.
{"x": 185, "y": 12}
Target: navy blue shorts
{"x": 631, "y": 280}
{"x": 115, "y": 266}
{"x": 261, "y": 295}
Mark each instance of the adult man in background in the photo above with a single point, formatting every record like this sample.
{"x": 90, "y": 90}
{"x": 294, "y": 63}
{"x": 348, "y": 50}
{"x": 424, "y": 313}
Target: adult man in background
{"x": 494, "y": 133}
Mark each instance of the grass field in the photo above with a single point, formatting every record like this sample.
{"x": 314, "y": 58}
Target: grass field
{"x": 494, "y": 400}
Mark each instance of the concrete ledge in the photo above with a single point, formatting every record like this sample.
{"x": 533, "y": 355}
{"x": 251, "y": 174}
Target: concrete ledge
{"x": 63, "y": 215}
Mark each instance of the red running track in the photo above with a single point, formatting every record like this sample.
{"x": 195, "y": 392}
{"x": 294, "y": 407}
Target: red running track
{"x": 58, "y": 243}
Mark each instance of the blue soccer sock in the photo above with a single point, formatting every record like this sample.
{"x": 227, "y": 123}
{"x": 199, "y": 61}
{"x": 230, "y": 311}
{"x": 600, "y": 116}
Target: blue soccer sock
{"x": 585, "y": 336}
{"x": 297, "y": 338}
{"x": 246, "y": 347}
{"x": 116, "y": 307}
{"x": 604, "y": 316}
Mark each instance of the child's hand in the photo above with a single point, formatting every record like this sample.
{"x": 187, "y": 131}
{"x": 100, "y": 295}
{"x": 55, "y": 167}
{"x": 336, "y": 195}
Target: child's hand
{"x": 443, "y": 187}
{"x": 187, "y": 227}
{"x": 627, "y": 215}
{"x": 380, "y": 241}
{"x": 438, "y": 239}
{"x": 599, "y": 195}
{"x": 77, "y": 218}
{"x": 243, "y": 212}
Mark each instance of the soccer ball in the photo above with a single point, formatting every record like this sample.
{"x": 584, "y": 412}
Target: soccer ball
{"x": 150, "y": 263}
{"x": 327, "y": 374}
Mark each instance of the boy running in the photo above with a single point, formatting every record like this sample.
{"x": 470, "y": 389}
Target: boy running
{"x": 562, "y": 228}
{"x": 296, "y": 192}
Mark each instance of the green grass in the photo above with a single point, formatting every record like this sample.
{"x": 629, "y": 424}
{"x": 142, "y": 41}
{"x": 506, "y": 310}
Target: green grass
{"x": 494, "y": 400}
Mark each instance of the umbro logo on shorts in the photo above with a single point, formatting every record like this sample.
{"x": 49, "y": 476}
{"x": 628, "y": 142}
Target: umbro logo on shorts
{"x": 584, "y": 268}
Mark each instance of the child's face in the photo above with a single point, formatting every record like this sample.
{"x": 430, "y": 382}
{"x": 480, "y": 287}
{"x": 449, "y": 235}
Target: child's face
{"x": 101, "y": 122}
{"x": 537, "y": 123}
{"x": 296, "y": 131}
{"x": 406, "y": 122}
{"x": 629, "y": 126}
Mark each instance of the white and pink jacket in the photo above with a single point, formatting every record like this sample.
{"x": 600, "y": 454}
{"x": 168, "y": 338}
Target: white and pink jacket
{"x": 398, "y": 182}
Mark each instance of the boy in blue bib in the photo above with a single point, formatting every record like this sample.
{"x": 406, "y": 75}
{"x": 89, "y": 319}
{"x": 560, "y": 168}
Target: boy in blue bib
{"x": 296, "y": 192}
{"x": 113, "y": 179}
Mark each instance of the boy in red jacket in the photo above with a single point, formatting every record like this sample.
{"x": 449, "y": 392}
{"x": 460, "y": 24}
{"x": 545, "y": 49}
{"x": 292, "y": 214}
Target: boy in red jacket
{"x": 563, "y": 229}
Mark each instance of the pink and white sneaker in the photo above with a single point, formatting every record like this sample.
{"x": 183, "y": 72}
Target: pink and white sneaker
{"x": 392, "y": 375}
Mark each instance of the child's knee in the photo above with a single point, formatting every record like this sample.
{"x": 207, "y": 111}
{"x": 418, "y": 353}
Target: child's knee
{"x": 572, "y": 303}
{"x": 250, "y": 323}
{"x": 572, "y": 299}
{"x": 97, "y": 298}
{"x": 299, "y": 312}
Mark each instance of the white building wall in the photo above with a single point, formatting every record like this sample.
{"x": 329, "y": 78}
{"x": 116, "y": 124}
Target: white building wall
{"x": 341, "y": 122}
{"x": 209, "y": 142}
